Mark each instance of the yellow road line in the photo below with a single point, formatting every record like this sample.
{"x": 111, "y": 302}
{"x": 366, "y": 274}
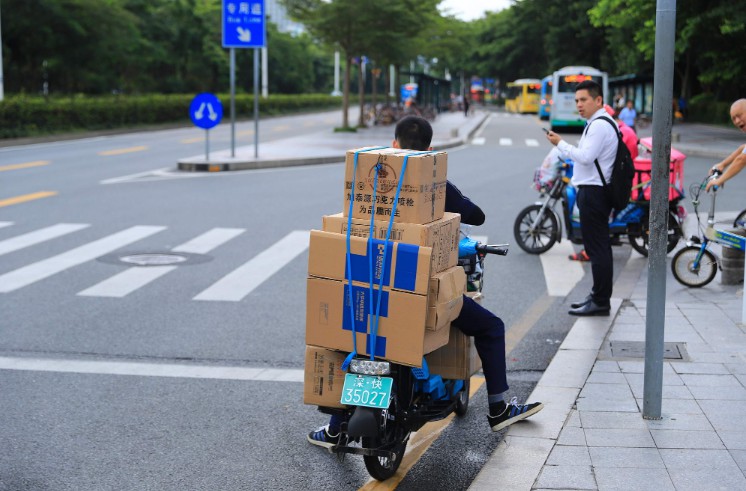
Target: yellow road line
{"x": 418, "y": 444}
{"x": 193, "y": 140}
{"x": 282, "y": 127}
{"x": 25, "y": 165}
{"x": 421, "y": 440}
{"x": 245, "y": 133}
{"x": 120, "y": 151}
{"x": 26, "y": 197}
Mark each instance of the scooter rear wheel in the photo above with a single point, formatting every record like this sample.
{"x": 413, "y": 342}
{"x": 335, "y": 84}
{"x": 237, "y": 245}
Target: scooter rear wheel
{"x": 540, "y": 239}
{"x": 639, "y": 242}
{"x": 382, "y": 468}
{"x": 682, "y": 267}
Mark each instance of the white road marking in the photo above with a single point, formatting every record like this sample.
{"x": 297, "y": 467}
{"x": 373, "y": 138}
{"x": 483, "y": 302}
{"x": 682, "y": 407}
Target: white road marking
{"x": 530, "y": 142}
{"x": 240, "y": 282}
{"x": 478, "y": 141}
{"x": 5, "y": 224}
{"x": 141, "y": 369}
{"x": 506, "y": 142}
{"x": 43, "y": 269}
{"x": 38, "y": 236}
{"x": 560, "y": 273}
{"x": 129, "y": 280}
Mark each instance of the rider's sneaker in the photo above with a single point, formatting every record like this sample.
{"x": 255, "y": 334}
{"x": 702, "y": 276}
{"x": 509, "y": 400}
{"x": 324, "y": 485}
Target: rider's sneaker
{"x": 323, "y": 438}
{"x": 513, "y": 412}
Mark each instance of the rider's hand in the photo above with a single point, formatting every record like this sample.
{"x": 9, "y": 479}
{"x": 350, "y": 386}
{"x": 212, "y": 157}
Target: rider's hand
{"x": 716, "y": 168}
{"x": 714, "y": 182}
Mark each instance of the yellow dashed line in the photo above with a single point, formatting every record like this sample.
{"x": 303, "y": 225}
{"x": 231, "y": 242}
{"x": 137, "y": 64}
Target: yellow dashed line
{"x": 283, "y": 127}
{"x": 120, "y": 151}
{"x": 246, "y": 133}
{"x": 193, "y": 140}
{"x": 26, "y": 197}
{"x": 26, "y": 165}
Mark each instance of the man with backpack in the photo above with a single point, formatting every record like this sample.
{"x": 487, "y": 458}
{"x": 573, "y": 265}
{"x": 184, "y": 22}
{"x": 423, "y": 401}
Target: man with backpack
{"x": 594, "y": 159}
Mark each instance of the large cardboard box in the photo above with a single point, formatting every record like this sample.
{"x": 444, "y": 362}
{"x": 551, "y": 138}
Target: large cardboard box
{"x": 423, "y": 191}
{"x": 442, "y": 235}
{"x": 458, "y": 359}
{"x": 406, "y": 268}
{"x": 323, "y": 378}
{"x": 401, "y": 335}
{"x": 445, "y": 297}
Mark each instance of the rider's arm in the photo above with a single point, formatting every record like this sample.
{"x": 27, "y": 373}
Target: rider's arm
{"x": 456, "y": 202}
{"x": 729, "y": 159}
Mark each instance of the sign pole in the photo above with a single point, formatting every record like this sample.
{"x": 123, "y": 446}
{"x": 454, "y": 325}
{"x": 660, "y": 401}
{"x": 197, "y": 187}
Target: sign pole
{"x": 233, "y": 102}
{"x": 207, "y": 145}
{"x": 256, "y": 102}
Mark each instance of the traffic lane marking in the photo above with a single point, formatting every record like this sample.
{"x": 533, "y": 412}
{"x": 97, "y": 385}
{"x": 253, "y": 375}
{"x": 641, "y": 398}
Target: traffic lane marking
{"x": 26, "y": 197}
{"x": 25, "y": 165}
{"x": 418, "y": 444}
{"x": 193, "y": 140}
{"x": 143, "y": 369}
{"x": 120, "y": 151}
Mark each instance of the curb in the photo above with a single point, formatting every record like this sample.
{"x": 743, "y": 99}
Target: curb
{"x": 520, "y": 456}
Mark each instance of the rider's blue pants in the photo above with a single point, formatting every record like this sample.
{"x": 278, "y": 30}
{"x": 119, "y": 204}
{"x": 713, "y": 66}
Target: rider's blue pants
{"x": 488, "y": 331}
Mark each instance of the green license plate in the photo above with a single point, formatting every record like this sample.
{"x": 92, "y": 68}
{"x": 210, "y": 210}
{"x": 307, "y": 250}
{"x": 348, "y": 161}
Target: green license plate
{"x": 366, "y": 390}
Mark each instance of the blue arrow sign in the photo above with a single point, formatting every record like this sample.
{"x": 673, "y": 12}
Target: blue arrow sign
{"x": 244, "y": 24}
{"x": 205, "y": 111}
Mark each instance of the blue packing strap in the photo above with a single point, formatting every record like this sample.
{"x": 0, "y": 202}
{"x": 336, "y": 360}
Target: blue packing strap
{"x": 349, "y": 267}
{"x": 374, "y": 324}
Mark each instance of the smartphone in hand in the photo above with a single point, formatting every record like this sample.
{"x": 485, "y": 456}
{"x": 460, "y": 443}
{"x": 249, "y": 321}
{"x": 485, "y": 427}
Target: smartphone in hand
{"x": 545, "y": 130}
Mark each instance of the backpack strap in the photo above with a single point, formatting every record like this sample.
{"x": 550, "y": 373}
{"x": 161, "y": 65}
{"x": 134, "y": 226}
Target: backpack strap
{"x": 619, "y": 142}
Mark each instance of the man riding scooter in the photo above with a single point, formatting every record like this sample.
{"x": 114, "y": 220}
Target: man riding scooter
{"x": 488, "y": 330}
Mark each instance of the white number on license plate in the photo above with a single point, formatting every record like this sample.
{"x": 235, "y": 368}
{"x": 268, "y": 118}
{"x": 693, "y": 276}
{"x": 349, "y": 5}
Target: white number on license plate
{"x": 366, "y": 390}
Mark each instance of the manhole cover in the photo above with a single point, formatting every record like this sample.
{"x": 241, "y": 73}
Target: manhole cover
{"x": 636, "y": 349}
{"x": 153, "y": 259}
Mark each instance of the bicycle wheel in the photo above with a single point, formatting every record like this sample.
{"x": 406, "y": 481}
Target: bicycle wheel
{"x": 682, "y": 267}
{"x": 740, "y": 221}
{"x": 539, "y": 239}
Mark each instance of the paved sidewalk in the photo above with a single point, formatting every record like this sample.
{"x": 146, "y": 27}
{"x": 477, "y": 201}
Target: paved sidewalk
{"x": 449, "y": 130}
{"x": 591, "y": 435}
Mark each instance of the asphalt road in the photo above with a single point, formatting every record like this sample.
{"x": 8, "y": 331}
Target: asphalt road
{"x": 114, "y": 380}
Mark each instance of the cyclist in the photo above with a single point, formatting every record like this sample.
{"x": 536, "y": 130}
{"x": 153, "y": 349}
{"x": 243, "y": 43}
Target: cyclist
{"x": 735, "y": 162}
{"x": 415, "y": 133}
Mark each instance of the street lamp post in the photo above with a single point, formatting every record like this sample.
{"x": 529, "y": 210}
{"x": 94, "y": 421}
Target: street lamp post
{"x": 2, "y": 87}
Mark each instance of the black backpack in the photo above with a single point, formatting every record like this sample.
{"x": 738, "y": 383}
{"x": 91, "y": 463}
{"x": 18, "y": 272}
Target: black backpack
{"x": 619, "y": 189}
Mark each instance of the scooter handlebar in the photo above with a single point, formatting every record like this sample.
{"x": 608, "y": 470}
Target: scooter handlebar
{"x": 500, "y": 250}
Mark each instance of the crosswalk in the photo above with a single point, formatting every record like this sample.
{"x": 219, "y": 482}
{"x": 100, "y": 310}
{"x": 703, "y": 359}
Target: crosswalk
{"x": 233, "y": 287}
{"x": 506, "y": 142}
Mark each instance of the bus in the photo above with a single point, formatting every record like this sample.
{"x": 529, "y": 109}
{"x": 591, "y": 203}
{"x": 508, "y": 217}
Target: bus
{"x": 545, "y": 98}
{"x": 523, "y": 96}
{"x": 564, "y": 113}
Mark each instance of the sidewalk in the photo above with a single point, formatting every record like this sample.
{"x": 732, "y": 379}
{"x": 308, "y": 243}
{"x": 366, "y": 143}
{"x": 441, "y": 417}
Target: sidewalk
{"x": 591, "y": 434}
{"x": 702, "y": 140}
{"x": 449, "y": 130}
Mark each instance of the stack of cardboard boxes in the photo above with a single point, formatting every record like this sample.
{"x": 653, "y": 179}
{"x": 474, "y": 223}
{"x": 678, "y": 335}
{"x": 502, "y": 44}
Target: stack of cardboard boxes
{"x": 421, "y": 285}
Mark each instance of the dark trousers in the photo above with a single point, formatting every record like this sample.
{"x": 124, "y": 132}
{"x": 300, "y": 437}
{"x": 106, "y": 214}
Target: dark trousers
{"x": 488, "y": 331}
{"x": 595, "y": 208}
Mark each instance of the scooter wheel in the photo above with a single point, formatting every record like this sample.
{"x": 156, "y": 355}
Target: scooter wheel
{"x": 535, "y": 240}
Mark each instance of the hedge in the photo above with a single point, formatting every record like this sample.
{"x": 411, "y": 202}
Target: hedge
{"x": 704, "y": 108}
{"x": 22, "y": 116}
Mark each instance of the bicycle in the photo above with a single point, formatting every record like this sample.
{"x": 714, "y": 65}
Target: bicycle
{"x": 695, "y": 265}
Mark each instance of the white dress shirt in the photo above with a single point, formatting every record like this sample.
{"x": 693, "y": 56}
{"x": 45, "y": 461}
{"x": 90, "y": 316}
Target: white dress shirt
{"x": 599, "y": 141}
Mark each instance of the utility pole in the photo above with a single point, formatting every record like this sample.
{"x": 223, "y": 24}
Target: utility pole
{"x": 2, "y": 86}
{"x": 655, "y": 317}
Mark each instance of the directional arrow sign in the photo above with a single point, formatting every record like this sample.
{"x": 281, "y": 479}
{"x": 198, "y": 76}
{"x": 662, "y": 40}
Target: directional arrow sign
{"x": 211, "y": 104}
{"x": 244, "y": 24}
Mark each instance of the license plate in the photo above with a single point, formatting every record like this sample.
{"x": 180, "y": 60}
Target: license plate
{"x": 366, "y": 390}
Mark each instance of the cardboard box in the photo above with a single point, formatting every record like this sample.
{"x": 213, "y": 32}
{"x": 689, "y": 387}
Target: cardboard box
{"x": 401, "y": 335}
{"x": 323, "y": 378}
{"x": 456, "y": 360}
{"x": 423, "y": 189}
{"x": 442, "y": 235}
{"x": 445, "y": 297}
{"x": 407, "y": 266}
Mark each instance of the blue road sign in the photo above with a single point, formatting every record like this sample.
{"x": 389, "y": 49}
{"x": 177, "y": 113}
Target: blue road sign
{"x": 206, "y": 111}
{"x": 244, "y": 24}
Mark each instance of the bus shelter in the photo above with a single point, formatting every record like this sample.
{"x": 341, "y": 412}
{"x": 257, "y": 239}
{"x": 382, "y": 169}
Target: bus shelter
{"x": 431, "y": 91}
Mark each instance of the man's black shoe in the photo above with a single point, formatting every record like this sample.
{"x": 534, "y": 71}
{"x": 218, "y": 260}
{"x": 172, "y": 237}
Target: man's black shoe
{"x": 576, "y": 305}
{"x": 591, "y": 308}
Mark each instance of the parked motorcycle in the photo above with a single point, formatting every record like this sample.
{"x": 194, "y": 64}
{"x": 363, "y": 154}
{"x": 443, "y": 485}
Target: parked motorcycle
{"x": 539, "y": 226}
{"x": 385, "y": 401}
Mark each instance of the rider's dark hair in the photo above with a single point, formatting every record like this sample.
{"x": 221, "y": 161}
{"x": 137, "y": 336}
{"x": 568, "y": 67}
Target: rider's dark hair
{"x": 414, "y": 133}
{"x": 593, "y": 88}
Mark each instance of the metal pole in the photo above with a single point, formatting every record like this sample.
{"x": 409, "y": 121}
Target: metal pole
{"x": 265, "y": 73}
{"x": 336, "y": 91}
{"x": 655, "y": 318}
{"x": 256, "y": 102}
{"x": 233, "y": 101}
{"x": 207, "y": 145}
{"x": 392, "y": 81}
{"x": 2, "y": 85}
